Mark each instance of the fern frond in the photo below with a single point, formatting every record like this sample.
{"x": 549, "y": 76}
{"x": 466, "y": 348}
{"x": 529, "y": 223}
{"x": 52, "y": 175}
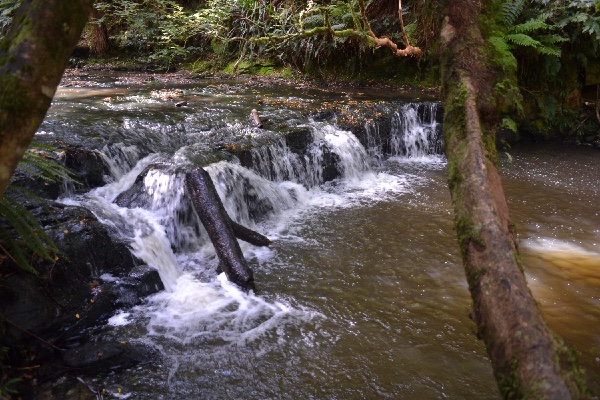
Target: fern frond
{"x": 504, "y": 57}
{"x": 530, "y": 26}
{"x": 553, "y": 39}
{"x": 521, "y": 39}
{"x": 37, "y": 162}
{"x": 549, "y": 51}
{"x": 511, "y": 10}
{"x": 21, "y": 235}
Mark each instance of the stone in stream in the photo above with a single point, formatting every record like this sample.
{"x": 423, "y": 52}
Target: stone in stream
{"x": 68, "y": 304}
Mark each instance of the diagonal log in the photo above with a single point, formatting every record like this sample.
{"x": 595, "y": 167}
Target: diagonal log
{"x": 528, "y": 360}
{"x": 217, "y": 223}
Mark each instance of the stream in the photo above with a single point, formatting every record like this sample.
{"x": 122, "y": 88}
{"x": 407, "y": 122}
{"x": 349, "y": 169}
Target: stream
{"x": 362, "y": 294}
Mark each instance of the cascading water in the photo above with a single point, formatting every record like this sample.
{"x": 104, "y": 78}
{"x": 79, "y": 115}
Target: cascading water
{"x": 146, "y": 206}
{"x": 361, "y": 294}
{"x": 415, "y": 131}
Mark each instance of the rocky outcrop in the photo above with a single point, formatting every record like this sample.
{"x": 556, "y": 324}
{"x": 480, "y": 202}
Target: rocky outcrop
{"x": 88, "y": 168}
{"x": 67, "y": 305}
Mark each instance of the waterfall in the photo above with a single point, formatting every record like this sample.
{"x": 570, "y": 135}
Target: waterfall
{"x": 415, "y": 131}
{"x": 145, "y": 203}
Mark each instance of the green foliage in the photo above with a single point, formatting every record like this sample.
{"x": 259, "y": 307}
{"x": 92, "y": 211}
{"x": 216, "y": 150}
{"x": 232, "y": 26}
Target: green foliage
{"x": 532, "y": 32}
{"x": 163, "y": 29}
{"x": 511, "y": 10}
{"x": 530, "y": 37}
{"x": 7, "y": 384}
{"x": 509, "y": 123}
{"x": 22, "y": 239}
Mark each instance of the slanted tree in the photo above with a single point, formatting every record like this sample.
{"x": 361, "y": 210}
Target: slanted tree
{"x": 528, "y": 360}
{"x": 33, "y": 57}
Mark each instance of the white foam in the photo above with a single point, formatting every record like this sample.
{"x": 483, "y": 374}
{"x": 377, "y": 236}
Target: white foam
{"x": 197, "y": 311}
{"x": 545, "y": 244}
{"x": 120, "y": 319}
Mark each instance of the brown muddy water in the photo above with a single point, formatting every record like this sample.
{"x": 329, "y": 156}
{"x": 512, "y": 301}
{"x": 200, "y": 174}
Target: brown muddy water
{"x": 362, "y": 294}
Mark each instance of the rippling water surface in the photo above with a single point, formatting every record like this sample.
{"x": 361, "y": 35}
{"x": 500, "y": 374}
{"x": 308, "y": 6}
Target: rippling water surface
{"x": 362, "y": 294}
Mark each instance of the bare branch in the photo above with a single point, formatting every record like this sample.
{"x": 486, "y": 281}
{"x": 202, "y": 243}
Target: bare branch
{"x": 379, "y": 42}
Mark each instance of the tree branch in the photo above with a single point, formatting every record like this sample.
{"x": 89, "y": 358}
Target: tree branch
{"x": 386, "y": 42}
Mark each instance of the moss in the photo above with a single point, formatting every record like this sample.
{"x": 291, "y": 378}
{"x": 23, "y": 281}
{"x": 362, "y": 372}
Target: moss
{"x": 568, "y": 361}
{"x": 474, "y": 276}
{"x": 467, "y": 232}
{"x": 509, "y": 383}
{"x": 13, "y": 98}
{"x": 489, "y": 147}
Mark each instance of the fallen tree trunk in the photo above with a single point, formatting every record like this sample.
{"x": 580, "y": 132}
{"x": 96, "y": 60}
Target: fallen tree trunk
{"x": 217, "y": 223}
{"x": 528, "y": 360}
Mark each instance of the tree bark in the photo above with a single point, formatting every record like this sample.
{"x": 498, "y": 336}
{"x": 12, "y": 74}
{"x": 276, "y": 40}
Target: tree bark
{"x": 99, "y": 40}
{"x": 208, "y": 205}
{"x": 528, "y": 360}
{"x": 248, "y": 235}
{"x": 33, "y": 57}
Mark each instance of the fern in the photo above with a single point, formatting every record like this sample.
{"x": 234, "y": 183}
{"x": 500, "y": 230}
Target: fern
{"x": 521, "y": 39}
{"x": 553, "y": 39}
{"x": 511, "y": 10}
{"x": 530, "y": 26}
{"x": 21, "y": 236}
{"x": 552, "y": 51}
{"x": 38, "y": 163}
{"x": 504, "y": 58}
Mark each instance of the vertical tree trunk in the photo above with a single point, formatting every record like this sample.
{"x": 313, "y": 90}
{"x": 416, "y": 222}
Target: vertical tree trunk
{"x": 99, "y": 43}
{"x": 33, "y": 57}
{"x": 528, "y": 360}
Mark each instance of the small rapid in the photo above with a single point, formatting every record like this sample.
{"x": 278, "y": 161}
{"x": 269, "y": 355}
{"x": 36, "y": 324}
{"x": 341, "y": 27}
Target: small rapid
{"x": 362, "y": 293}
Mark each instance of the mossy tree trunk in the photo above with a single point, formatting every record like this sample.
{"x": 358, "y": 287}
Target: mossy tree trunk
{"x": 99, "y": 40}
{"x": 33, "y": 57}
{"x": 527, "y": 359}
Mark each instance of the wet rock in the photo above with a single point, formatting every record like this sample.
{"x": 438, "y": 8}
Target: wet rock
{"x": 322, "y": 116}
{"x": 136, "y": 195}
{"x": 67, "y": 297}
{"x": 89, "y": 168}
{"x": 69, "y": 388}
{"x": 298, "y": 139}
{"x": 131, "y": 290}
{"x": 331, "y": 165}
{"x": 145, "y": 280}
{"x": 91, "y": 358}
{"x": 89, "y": 171}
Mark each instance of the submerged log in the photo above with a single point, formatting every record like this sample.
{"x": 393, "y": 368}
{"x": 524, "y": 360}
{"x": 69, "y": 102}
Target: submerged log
{"x": 217, "y": 223}
{"x": 248, "y": 235}
{"x": 256, "y": 118}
